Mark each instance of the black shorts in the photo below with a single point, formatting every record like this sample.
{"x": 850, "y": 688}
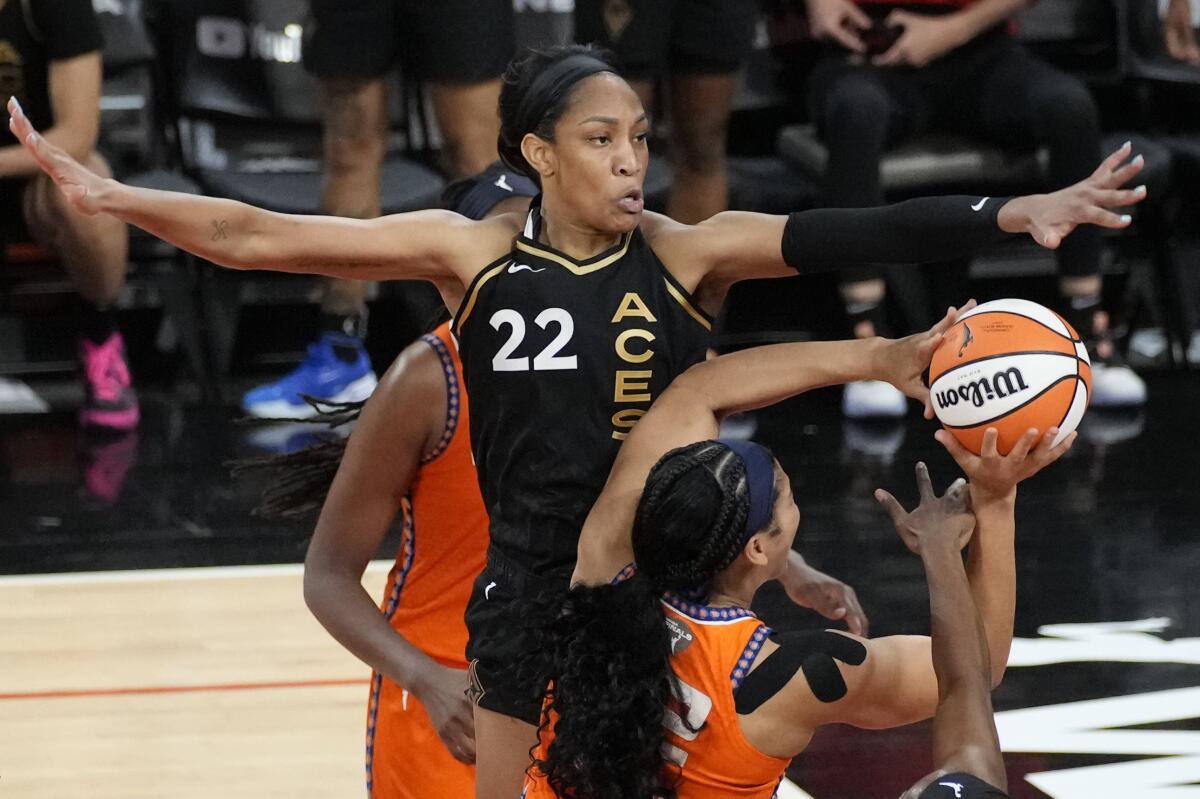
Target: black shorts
{"x": 496, "y": 626}
{"x": 441, "y": 41}
{"x": 650, "y": 37}
{"x": 12, "y": 210}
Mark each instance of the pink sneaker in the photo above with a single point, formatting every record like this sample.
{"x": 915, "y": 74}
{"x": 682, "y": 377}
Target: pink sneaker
{"x": 107, "y": 459}
{"x": 109, "y": 400}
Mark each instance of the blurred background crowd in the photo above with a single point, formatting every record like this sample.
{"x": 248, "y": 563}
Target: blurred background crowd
{"x": 365, "y": 108}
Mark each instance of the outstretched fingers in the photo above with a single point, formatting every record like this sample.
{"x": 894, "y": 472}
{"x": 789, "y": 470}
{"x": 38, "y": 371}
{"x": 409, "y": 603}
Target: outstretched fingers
{"x": 961, "y": 455}
{"x": 1116, "y": 198}
{"x": 990, "y": 448}
{"x": 28, "y": 136}
{"x": 1102, "y": 217}
{"x": 1063, "y": 447}
{"x": 1125, "y": 173}
{"x": 1024, "y": 444}
{"x": 1109, "y": 165}
{"x": 924, "y": 484}
{"x": 892, "y": 505}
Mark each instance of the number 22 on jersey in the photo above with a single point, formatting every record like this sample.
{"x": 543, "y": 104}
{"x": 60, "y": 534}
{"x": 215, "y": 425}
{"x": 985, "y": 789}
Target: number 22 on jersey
{"x": 546, "y": 360}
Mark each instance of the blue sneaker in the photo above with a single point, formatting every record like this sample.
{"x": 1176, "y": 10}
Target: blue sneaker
{"x": 322, "y": 374}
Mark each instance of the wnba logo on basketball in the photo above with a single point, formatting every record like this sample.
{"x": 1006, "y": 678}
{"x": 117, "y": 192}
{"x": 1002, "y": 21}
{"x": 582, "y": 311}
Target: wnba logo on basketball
{"x": 977, "y": 392}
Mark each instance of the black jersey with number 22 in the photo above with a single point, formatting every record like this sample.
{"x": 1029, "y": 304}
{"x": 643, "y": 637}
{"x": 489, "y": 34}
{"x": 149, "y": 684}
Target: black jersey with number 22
{"x": 561, "y": 357}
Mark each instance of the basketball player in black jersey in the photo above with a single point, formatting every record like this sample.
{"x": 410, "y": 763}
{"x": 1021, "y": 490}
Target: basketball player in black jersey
{"x": 572, "y": 319}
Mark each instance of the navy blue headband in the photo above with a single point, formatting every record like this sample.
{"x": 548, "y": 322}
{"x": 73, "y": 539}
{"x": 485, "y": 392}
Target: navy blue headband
{"x": 760, "y": 479}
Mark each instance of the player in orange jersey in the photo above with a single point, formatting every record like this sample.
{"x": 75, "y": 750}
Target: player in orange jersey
{"x": 409, "y": 456}
{"x": 706, "y": 524}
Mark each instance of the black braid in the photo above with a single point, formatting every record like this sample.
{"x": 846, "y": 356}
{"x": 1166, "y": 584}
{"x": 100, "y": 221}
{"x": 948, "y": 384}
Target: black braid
{"x": 300, "y": 481}
{"x": 688, "y": 563}
{"x": 604, "y": 650}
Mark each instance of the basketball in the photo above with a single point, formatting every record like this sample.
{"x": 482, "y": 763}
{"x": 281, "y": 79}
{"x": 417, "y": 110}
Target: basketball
{"x": 1009, "y": 364}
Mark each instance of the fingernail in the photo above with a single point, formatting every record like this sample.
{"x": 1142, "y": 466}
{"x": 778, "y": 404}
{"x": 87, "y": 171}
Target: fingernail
{"x": 1128, "y": 143}
{"x": 1141, "y": 189}
{"x": 1126, "y": 219}
{"x": 1141, "y": 159}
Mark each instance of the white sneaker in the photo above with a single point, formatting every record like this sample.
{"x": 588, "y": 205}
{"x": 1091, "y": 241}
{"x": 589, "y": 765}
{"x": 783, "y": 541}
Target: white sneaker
{"x": 1116, "y": 386}
{"x": 17, "y": 397}
{"x": 878, "y": 439}
{"x": 739, "y": 427}
{"x": 873, "y": 399}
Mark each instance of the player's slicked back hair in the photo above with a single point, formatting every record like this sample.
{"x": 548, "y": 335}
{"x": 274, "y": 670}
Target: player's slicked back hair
{"x": 536, "y": 90}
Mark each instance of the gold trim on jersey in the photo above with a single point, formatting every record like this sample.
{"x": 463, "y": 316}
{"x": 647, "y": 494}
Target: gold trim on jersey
{"x": 574, "y": 267}
{"x": 687, "y": 306}
{"x": 469, "y": 305}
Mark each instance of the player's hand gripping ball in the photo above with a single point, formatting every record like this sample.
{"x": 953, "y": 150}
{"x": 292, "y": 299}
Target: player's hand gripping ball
{"x": 1012, "y": 365}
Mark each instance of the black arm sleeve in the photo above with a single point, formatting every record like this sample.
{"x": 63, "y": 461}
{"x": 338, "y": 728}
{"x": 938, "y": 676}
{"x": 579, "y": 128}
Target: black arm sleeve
{"x": 914, "y": 231}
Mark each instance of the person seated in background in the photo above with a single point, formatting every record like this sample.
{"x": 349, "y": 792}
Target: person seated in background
{"x": 50, "y": 61}
{"x": 694, "y": 49}
{"x": 460, "y": 49}
{"x": 1179, "y": 32}
{"x": 892, "y": 70}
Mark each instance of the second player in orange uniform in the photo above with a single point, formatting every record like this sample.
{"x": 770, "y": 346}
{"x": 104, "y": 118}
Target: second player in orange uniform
{"x": 410, "y": 457}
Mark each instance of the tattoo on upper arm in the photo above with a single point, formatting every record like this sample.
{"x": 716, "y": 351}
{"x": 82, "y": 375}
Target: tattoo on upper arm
{"x": 220, "y": 230}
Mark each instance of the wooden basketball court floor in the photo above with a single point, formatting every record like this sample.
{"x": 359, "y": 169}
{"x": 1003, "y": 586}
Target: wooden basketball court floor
{"x": 178, "y": 683}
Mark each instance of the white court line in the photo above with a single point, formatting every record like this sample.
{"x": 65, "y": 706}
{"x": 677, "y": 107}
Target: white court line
{"x": 789, "y": 790}
{"x": 163, "y": 575}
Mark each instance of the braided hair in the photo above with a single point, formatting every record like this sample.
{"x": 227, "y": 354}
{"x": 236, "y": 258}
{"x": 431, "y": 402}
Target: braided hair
{"x": 299, "y": 481}
{"x": 605, "y": 652}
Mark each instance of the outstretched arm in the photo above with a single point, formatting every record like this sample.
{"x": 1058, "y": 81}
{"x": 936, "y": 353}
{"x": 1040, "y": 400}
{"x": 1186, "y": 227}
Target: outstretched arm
{"x": 691, "y": 408}
{"x": 422, "y": 244}
{"x": 896, "y": 682}
{"x": 964, "y": 732}
{"x": 737, "y": 245}
{"x": 399, "y": 424}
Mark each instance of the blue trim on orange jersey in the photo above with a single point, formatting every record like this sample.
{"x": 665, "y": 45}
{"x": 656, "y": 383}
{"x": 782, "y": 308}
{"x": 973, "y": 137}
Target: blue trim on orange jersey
{"x": 749, "y": 655}
{"x": 701, "y": 612}
{"x": 404, "y": 559}
{"x": 624, "y": 574}
{"x": 453, "y": 400}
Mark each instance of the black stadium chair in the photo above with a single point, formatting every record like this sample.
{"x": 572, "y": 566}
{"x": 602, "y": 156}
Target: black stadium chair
{"x": 248, "y": 120}
{"x": 248, "y": 113}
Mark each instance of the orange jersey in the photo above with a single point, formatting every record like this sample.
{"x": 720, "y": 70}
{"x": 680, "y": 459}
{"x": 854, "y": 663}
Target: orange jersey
{"x": 714, "y": 649}
{"x": 442, "y": 549}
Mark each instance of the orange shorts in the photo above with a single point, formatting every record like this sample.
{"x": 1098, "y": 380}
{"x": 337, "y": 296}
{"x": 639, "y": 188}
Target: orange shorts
{"x": 405, "y": 757}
